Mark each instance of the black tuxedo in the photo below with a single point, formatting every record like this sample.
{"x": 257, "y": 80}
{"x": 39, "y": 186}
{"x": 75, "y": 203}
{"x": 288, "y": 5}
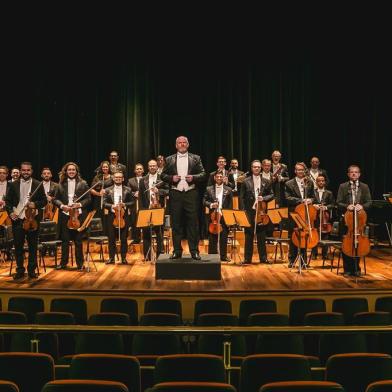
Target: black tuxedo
{"x": 144, "y": 197}
{"x": 12, "y": 199}
{"x": 184, "y": 205}
{"x": 134, "y": 186}
{"x": 343, "y": 200}
{"x": 321, "y": 172}
{"x": 294, "y": 198}
{"x": 278, "y": 186}
{"x": 61, "y": 198}
{"x": 113, "y": 168}
{"x": 247, "y": 201}
{"x": 230, "y": 178}
{"x": 108, "y": 202}
{"x": 236, "y": 185}
{"x": 227, "y": 203}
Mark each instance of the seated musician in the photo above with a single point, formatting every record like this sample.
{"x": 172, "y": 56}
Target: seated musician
{"x": 152, "y": 194}
{"x": 253, "y": 190}
{"x": 216, "y": 197}
{"x": 228, "y": 178}
{"x": 71, "y": 187}
{"x": 324, "y": 201}
{"x": 118, "y": 196}
{"x": 298, "y": 190}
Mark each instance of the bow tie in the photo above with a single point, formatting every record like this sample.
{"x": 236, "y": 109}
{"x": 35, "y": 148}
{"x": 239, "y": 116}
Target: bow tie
{"x": 181, "y": 155}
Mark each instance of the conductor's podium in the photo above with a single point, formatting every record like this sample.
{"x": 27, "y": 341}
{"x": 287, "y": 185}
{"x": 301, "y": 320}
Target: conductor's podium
{"x": 208, "y": 268}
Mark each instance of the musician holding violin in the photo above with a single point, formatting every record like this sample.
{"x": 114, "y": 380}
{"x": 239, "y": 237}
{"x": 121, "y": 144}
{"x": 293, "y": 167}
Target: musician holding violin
{"x": 324, "y": 202}
{"x": 50, "y": 189}
{"x": 353, "y": 200}
{"x": 256, "y": 192}
{"x": 280, "y": 174}
{"x": 152, "y": 194}
{"x": 118, "y": 200}
{"x": 24, "y": 201}
{"x": 217, "y": 197}
{"x": 299, "y": 195}
{"x": 72, "y": 197}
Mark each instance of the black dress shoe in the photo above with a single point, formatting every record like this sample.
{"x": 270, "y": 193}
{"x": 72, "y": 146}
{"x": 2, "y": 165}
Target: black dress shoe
{"x": 111, "y": 261}
{"x": 195, "y": 256}
{"x": 246, "y": 262}
{"x": 33, "y": 275}
{"x": 225, "y": 259}
{"x": 176, "y": 255}
{"x": 124, "y": 261}
{"x": 18, "y": 275}
{"x": 61, "y": 267}
{"x": 80, "y": 268}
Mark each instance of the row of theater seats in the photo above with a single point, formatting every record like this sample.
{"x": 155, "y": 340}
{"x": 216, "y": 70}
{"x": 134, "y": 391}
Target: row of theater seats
{"x": 182, "y": 373}
{"x": 299, "y": 308}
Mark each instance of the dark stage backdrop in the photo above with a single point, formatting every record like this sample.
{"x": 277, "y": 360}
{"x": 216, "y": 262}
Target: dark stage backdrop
{"x": 70, "y": 111}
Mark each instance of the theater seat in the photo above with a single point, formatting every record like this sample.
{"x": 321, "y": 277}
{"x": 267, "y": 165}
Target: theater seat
{"x": 302, "y": 386}
{"x": 193, "y": 387}
{"x": 121, "y": 305}
{"x": 84, "y": 386}
{"x": 8, "y": 386}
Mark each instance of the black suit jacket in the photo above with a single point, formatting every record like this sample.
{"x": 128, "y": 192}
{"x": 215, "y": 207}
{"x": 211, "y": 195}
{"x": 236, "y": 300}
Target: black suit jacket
{"x": 210, "y": 197}
{"x": 61, "y": 195}
{"x": 132, "y": 183}
{"x": 284, "y": 173}
{"x": 211, "y": 179}
{"x": 247, "y": 195}
{"x": 52, "y": 188}
{"x": 293, "y": 194}
{"x": 322, "y": 172}
{"x": 345, "y": 197}
{"x": 327, "y": 199}
{"x": 144, "y": 195}
{"x": 127, "y": 198}
{"x": 195, "y": 168}
{"x": 13, "y": 196}
{"x": 119, "y": 167}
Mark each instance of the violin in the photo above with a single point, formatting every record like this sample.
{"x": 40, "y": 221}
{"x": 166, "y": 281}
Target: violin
{"x": 215, "y": 226}
{"x": 261, "y": 217}
{"x": 355, "y": 243}
{"x": 73, "y": 221}
{"x": 4, "y": 218}
{"x": 154, "y": 199}
{"x": 29, "y": 222}
{"x": 325, "y": 226}
{"x": 119, "y": 221}
{"x": 49, "y": 211}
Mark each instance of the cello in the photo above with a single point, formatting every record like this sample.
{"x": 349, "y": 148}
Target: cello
{"x": 215, "y": 226}
{"x": 308, "y": 237}
{"x": 355, "y": 242}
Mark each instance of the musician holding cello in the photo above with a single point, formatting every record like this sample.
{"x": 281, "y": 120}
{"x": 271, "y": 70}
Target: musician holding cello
{"x": 72, "y": 197}
{"x": 217, "y": 197}
{"x": 24, "y": 201}
{"x": 353, "y": 200}
{"x": 299, "y": 194}
{"x": 152, "y": 194}
{"x": 118, "y": 200}
{"x": 256, "y": 192}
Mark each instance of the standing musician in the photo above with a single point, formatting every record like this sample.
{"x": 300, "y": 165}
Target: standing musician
{"x": 118, "y": 197}
{"x": 235, "y": 172}
{"x": 161, "y": 163}
{"x": 280, "y": 175}
{"x": 3, "y": 185}
{"x": 324, "y": 201}
{"x": 15, "y": 174}
{"x": 228, "y": 178}
{"x": 216, "y": 198}
{"x": 345, "y": 202}
{"x": 266, "y": 173}
{"x": 70, "y": 188}
{"x": 104, "y": 180}
{"x": 315, "y": 171}
{"x": 183, "y": 171}
{"x": 133, "y": 183}
{"x": 25, "y": 196}
{"x": 253, "y": 190}
{"x": 298, "y": 190}
{"x": 50, "y": 188}
{"x": 152, "y": 194}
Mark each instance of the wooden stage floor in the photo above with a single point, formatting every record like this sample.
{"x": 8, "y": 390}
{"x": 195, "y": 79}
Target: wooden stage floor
{"x": 139, "y": 277}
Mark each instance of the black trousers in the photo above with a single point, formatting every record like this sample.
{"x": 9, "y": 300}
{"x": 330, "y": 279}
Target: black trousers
{"x": 185, "y": 219}
{"x": 32, "y": 240}
{"x": 249, "y": 237}
{"x": 67, "y": 235}
{"x": 113, "y": 234}
{"x": 213, "y": 242}
{"x": 351, "y": 264}
{"x": 147, "y": 241}
{"x": 293, "y": 250}
{"x": 135, "y": 231}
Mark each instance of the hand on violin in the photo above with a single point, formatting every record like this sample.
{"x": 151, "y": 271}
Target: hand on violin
{"x": 358, "y": 207}
{"x": 225, "y": 180}
{"x": 189, "y": 178}
{"x": 101, "y": 192}
{"x": 2, "y": 203}
{"x": 350, "y": 207}
{"x": 13, "y": 216}
{"x": 66, "y": 208}
{"x": 307, "y": 201}
{"x": 31, "y": 204}
{"x": 136, "y": 194}
{"x": 76, "y": 205}
{"x": 214, "y": 205}
{"x": 260, "y": 198}
{"x": 176, "y": 178}
{"x": 155, "y": 189}
{"x": 49, "y": 198}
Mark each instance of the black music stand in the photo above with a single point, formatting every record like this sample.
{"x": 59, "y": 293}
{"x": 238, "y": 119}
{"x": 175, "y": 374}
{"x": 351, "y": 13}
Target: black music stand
{"x": 235, "y": 219}
{"x": 150, "y": 218}
{"x": 300, "y": 228}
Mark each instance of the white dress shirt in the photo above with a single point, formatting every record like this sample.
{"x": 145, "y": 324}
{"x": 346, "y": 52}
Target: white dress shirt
{"x": 219, "y": 194}
{"x": 354, "y": 185}
{"x": 117, "y": 194}
{"x": 3, "y": 189}
{"x": 320, "y": 194}
{"x": 256, "y": 185}
{"x": 152, "y": 180}
{"x": 182, "y": 171}
{"x": 301, "y": 186}
{"x": 266, "y": 176}
{"x": 46, "y": 185}
{"x": 25, "y": 189}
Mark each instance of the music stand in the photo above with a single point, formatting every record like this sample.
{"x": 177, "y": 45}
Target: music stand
{"x": 233, "y": 220}
{"x": 150, "y": 218}
{"x": 301, "y": 224}
{"x": 85, "y": 225}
